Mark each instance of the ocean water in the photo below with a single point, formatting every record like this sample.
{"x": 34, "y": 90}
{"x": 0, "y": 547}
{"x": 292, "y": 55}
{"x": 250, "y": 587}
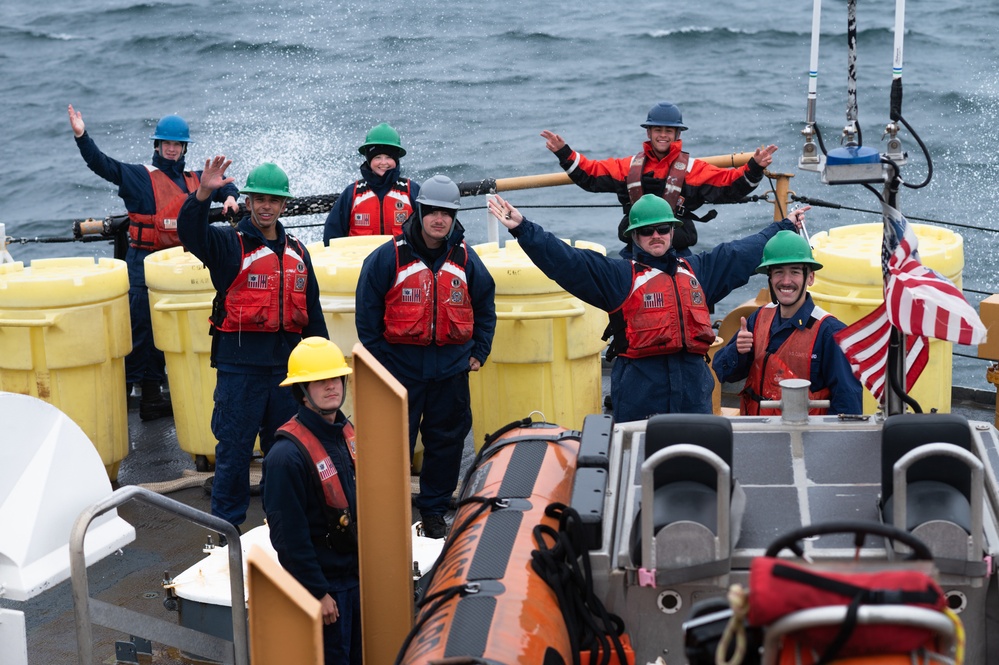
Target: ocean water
{"x": 471, "y": 84}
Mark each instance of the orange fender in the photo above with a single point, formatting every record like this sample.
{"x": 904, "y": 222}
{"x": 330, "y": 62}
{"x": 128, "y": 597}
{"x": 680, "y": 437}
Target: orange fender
{"x": 484, "y": 600}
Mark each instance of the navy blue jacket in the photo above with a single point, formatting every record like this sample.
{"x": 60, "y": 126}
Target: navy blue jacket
{"x": 219, "y": 249}
{"x": 338, "y": 221}
{"x": 672, "y": 383}
{"x": 829, "y": 367}
{"x": 411, "y": 362}
{"x": 134, "y": 186}
{"x": 294, "y": 507}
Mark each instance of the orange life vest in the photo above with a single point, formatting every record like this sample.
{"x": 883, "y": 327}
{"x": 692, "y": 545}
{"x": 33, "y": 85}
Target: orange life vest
{"x": 328, "y": 476}
{"x": 793, "y": 360}
{"x": 269, "y": 293}
{"x": 425, "y": 307}
{"x": 159, "y": 230}
{"x": 665, "y": 314}
{"x": 370, "y": 216}
{"x": 674, "y": 180}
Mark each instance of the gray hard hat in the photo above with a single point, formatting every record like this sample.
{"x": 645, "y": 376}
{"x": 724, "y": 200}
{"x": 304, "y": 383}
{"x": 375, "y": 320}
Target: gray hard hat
{"x": 440, "y": 192}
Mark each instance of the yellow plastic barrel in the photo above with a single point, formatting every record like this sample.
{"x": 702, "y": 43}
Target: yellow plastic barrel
{"x": 850, "y": 286}
{"x": 64, "y": 335}
{"x": 180, "y": 302}
{"x": 546, "y": 350}
{"x": 337, "y": 268}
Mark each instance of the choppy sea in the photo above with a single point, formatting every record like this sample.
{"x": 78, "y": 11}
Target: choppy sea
{"x": 471, "y": 84}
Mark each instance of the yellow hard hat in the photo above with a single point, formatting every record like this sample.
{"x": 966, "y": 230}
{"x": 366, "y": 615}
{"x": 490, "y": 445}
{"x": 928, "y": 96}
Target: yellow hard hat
{"x": 315, "y": 359}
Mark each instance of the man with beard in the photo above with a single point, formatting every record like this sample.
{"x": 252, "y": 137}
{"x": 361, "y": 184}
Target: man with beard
{"x": 789, "y": 338}
{"x": 661, "y": 298}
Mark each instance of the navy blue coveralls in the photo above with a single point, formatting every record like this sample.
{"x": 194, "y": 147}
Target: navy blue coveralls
{"x": 436, "y": 376}
{"x": 294, "y": 508}
{"x": 671, "y": 383}
{"x": 250, "y": 365}
{"x": 145, "y": 362}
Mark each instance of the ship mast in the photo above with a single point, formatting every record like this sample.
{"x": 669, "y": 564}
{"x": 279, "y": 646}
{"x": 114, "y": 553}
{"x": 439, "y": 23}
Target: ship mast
{"x": 855, "y": 163}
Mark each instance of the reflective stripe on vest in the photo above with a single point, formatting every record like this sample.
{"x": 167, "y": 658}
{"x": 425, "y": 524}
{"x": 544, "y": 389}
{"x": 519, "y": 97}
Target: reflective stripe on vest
{"x": 269, "y": 292}
{"x": 792, "y": 360}
{"x": 321, "y": 463}
{"x": 665, "y": 314}
{"x": 159, "y": 230}
{"x": 371, "y": 216}
{"x": 424, "y": 307}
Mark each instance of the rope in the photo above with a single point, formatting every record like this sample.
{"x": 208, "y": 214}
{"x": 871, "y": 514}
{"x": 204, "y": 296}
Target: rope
{"x": 959, "y": 636}
{"x": 557, "y": 560}
{"x": 191, "y": 478}
{"x": 738, "y": 600}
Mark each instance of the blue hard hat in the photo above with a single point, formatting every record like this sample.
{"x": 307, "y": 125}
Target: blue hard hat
{"x": 664, "y": 114}
{"x": 172, "y": 128}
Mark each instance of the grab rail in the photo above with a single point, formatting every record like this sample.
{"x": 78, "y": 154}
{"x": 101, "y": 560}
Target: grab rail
{"x": 90, "y": 610}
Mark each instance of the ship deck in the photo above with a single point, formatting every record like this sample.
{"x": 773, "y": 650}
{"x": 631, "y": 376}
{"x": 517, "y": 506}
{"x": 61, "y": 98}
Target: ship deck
{"x": 164, "y": 543}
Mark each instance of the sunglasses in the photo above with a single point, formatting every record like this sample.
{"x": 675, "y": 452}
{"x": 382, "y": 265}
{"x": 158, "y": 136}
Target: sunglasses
{"x": 647, "y": 231}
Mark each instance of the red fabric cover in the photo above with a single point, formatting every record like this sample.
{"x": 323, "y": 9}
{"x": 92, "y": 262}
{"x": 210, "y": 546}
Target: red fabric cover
{"x": 771, "y": 598}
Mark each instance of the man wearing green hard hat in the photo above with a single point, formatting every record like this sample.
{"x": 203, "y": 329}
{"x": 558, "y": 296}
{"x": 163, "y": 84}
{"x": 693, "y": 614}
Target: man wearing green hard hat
{"x": 790, "y": 338}
{"x": 267, "y": 300}
{"x": 382, "y": 199}
{"x": 661, "y": 298}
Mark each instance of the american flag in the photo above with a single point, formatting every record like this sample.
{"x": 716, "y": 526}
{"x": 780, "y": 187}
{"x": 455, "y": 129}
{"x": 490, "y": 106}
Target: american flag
{"x": 918, "y": 301}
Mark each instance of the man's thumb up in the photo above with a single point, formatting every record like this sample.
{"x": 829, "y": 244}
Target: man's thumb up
{"x": 744, "y": 338}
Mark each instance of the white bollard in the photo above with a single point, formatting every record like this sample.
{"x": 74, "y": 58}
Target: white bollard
{"x": 5, "y": 256}
{"x": 492, "y": 224}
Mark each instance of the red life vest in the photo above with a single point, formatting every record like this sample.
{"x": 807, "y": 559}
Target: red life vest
{"x": 269, "y": 293}
{"x": 793, "y": 360}
{"x": 370, "y": 216}
{"x": 159, "y": 230}
{"x": 664, "y": 314}
{"x": 327, "y": 472}
{"x": 425, "y": 307}
{"x": 674, "y": 180}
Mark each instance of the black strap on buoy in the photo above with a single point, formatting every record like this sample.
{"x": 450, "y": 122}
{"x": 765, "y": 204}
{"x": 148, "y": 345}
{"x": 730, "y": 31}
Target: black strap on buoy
{"x": 557, "y": 561}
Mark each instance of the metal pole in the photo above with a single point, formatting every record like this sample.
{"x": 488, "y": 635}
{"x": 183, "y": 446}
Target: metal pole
{"x": 896, "y": 70}
{"x": 850, "y": 132}
{"x": 813, "y": 65}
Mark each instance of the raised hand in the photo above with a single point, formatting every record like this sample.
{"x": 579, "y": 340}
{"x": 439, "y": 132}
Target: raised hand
{"x": 76, "y": 122}
{"x": 553, "y": 141}
{"x": 764, "y": 155}
{"x": 508, "y": 216}
{"x": 213, "y": 176}
{"x": 743, "y": 338}
{"x": 798, "y": 216}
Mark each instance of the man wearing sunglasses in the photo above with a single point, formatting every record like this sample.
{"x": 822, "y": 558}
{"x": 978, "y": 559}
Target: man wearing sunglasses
{"x": 662, "y": 298}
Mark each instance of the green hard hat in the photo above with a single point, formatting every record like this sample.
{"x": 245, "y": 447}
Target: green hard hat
{"x": 268, "y": 178}
{"x": 649, "y": 210}
{"x": 383, "y": 134}
{"x": 784, "y": 248}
